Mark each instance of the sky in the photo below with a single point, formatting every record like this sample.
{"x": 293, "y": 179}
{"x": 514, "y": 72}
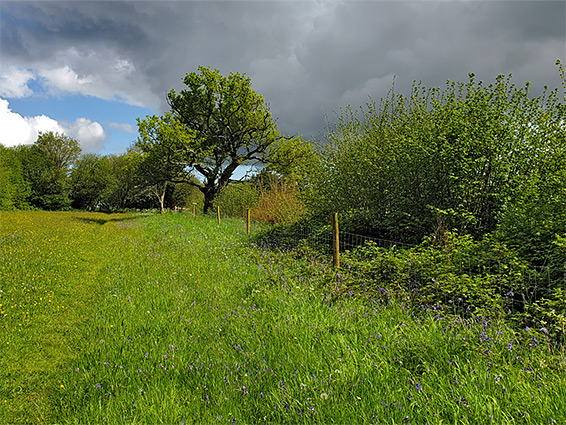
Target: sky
{"x": 88, "y": 69}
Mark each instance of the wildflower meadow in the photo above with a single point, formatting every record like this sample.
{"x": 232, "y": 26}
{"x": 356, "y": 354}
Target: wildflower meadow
{"x": 132, "y": 318}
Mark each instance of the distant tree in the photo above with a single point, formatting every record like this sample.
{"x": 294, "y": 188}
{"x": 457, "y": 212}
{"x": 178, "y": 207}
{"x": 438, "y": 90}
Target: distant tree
{"x": 187, "y": 194}
{"x": 122, "y": 189}
{"x": 90, "y": 179}
{"x": 14, "y": 189}
{"x": 162, "y": 144}
{"x": 231, "y": 124}
{"x": 62, "y": 151}
{"x": 46, "y": 166}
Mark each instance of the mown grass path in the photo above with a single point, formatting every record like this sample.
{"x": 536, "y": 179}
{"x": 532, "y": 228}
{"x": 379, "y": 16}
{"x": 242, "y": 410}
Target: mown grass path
{"x": 174, "y": 319}
{"x": 50, "y": 265}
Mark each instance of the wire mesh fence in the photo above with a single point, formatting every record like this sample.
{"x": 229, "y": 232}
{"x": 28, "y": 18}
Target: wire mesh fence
{"x": 518, "y": 284}
{"x": 515, "y": 285}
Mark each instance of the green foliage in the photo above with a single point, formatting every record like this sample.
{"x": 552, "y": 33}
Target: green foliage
{"x": 14, "y": 190}
{"x": 163, "y": 142}
{"x": 460, "y": 276}
{"x": 459, "y": 157}
{"x": 46, "y": 166}
{"x": 186, "y": 194}
{"x": 293, "y": 159}
{"x": 60, "y": 150}
{"x": 236, "y": 198}
{"x": 532, "y": 219}
{"x": 231, "y": 122}
{"x": 90, "y": 181}
{"x": 123, "y": 191}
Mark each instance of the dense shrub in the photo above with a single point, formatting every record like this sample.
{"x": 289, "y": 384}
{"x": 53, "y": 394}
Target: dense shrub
{"x": 236, "y": 198}
{"x": 459, "y": 275}
{"x": 470, "y": 157}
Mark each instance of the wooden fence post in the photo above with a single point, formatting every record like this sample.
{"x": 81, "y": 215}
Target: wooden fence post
{"x": 248, "y": 227}
{"x": 335, "y": 241}
{"x": 218, "y": 213}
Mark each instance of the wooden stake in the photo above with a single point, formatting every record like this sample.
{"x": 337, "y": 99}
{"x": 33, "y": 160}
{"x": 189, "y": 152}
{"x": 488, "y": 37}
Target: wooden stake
{"x": 335, "y": 241}
{"x": 194, "y": 209}
{"x": 248, "y": 227}
{"x": 218, "y": 213}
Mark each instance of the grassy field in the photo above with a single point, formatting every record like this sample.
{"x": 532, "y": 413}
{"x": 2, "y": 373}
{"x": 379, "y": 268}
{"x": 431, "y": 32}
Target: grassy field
{"x": 174, "y": 319}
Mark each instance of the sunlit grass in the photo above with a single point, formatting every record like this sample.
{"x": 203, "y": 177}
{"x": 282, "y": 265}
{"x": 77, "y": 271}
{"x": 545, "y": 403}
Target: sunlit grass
{"x": 172, "y": 319}
{"x": 49, "y": 264}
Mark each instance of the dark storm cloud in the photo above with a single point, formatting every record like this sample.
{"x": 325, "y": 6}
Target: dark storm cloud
{"x": 306, "y": 58}
{"x": 34, "y": 31}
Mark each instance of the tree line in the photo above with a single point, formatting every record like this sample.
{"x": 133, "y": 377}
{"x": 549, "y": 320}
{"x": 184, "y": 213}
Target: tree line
{"x": 52, "y": 174}
{"x": 187, "y": 155}
{"x": 481, "y": 159}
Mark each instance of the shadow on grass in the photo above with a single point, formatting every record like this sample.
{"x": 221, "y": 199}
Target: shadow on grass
{"x": 110, "y": 219}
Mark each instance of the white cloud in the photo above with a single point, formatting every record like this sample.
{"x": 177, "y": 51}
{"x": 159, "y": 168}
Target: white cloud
{"x": 13, "y": 83}
{"x": 104, "y": 75}
{"x": 43, "y": 124}
{"x": 18, "y": 130}
{"x": 128, "y": 128}
{"x": 65, "y": 80}
{"x": 14, "y": 129}
{"x": 89, "y": 133}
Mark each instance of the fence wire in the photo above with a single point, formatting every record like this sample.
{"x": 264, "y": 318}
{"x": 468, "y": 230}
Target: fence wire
{"x": 518, "y": 287}
{"x": 528, "y": 283}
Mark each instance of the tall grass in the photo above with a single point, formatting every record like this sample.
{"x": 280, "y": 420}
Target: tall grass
{"x": 279, "y": 202}
{"x": 180, "y": 320}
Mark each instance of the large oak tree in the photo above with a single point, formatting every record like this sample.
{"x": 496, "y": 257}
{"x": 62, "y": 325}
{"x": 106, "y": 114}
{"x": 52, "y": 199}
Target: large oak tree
{"x": 231, "y": 125}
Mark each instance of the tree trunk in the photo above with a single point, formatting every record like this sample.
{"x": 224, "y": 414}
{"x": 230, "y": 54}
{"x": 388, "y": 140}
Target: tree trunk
{"x": 159, "y": 190}
{"x": 209, "y": 195}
